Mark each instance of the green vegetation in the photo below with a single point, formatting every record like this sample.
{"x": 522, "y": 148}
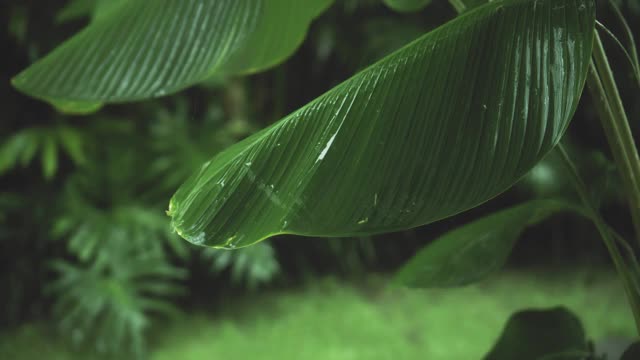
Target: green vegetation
{"x": 367, "y": 320}
{"x": 401, "y": 114}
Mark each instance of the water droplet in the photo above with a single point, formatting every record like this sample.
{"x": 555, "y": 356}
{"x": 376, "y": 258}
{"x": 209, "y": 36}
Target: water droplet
{"x": 484, "y": 106}
{"x": 326, "y": 148}
{"x": 582, "y": 7}
{"x": 198, "y": 239}
{"x": 375, "y": 199}
{"x": 248, "y": 163}
{"x": 363, "y": 221}
{"x": 231, "y": 242}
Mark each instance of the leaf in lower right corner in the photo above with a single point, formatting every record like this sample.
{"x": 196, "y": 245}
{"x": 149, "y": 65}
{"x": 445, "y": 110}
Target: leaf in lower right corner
{"x": 553, "y": 333}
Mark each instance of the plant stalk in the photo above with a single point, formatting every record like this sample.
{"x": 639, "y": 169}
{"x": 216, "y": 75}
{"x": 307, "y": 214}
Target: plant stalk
{"x": 613, "y": 118}
{"x": 625, "y": 272}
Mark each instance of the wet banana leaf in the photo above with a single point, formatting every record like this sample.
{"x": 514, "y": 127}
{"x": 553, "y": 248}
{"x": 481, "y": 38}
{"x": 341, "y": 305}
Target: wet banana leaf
{"x": 437, "y": 127}
{"x": 473, "y": 251}
{"x": 142, "y": 49}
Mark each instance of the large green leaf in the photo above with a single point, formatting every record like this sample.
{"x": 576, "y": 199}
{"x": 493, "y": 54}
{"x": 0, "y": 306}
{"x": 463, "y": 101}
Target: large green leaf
{"x": 437, "y": 127}
{"x": 473, "y": 251}
{"x": 141, "y": 49}
{"x": 541, "y": 334}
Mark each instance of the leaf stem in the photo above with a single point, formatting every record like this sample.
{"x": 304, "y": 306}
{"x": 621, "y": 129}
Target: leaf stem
{"x": 629, "y": 33}
{"x": 613, "y": 118}
{"x": 626, "y": 273}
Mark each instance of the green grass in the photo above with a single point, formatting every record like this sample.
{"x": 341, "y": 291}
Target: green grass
{"x": 333, "y": 320}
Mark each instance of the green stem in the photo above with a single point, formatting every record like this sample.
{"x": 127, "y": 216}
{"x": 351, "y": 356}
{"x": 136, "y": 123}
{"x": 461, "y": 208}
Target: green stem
{"x": 623, "y": 270}
{"x": 630, "y": 38}
{"x": 613, "y": 118}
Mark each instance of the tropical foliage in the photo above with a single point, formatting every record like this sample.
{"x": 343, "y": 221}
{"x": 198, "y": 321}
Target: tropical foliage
{"x": 426, "y": 125}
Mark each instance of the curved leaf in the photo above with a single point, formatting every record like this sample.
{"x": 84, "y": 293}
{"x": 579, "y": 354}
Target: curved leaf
{"x": 406, "y": 5}
{"x": 541, "y": 334}
{"x": 435, "y": 128}
{"x": 141, "y": 49}
{"x": 473, "y": 251}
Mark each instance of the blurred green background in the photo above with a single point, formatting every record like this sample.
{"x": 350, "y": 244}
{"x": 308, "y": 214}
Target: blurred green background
{"x": 89, "y": 268}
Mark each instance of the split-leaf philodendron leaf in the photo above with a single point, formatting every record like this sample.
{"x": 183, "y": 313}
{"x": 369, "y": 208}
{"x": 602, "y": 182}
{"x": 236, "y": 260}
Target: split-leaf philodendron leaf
{"x": 437, "y": 127}
{"x": 143, "y": 49}
{"x": 473, "y": 251}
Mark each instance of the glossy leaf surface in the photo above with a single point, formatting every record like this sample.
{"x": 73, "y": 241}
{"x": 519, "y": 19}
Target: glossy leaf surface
{"x": 541, "y": 334}
{"x": 142, "y": 49}
{"x": 473, "y": 251}
{"x": 437, "y": 127}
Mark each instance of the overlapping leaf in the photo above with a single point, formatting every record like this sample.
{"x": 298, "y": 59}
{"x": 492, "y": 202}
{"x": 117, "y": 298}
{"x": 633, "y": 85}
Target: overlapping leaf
{"x": 473, "y": 251}
{"x": 143, "y": 49}
{"x": 437, "y": 127}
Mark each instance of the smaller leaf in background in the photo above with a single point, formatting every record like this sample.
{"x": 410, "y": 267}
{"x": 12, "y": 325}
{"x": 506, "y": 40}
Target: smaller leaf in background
{"x": 181, "y": 142}
{"x": 632, "y": 353}
{"x": 18, "y": 23}
{"x": 12, "y": 150}
{"x": 251, "y": 266}
{"x": 21, "y": 148}
{"x": 351, "y": 254}
{"x": 541, "y": 334}
{"x": 30, "y": 147}
{"x": 72, "y": 142}
{"x": 406, "y": 5}
{"x": 141, "y": 49}
{"x": 473, "y": 251}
